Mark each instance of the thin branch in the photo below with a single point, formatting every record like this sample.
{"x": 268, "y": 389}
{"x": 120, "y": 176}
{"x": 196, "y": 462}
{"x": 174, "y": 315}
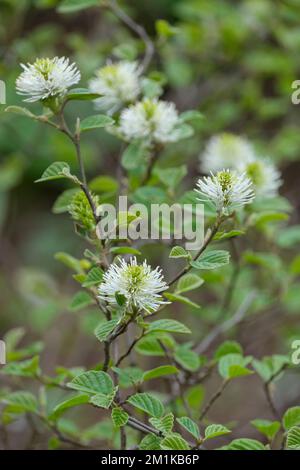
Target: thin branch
{"x": 213, "y": 399}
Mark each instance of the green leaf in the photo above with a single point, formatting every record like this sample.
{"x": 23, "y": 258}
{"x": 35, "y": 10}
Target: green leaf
{"x": 120, "y": 298}
{"x": 174, "y": 442}
{"x": 211, "y": 260}
{"x": 69, "y": 261}
{"x": 293, "y": 438}
{"x": 266, "y": 427}
{"x": 215, "y": 430}
{"x": 81, "y": 94}
{"x": 149, "y": 345}
{"x": 228, "y": 347}
{"x": 191, "y": 116}
{"x": 21, "y": 111}
{"x": 134, "y": 155}
{"x": 64, "y": 200}
{"x": 124, "y": 250}
{"x": 128, "y": 376}
{"x": 94, "y": 122}
{"x": 171, "y": 177}
{"x": 67, "y": 404}
{"x": 69, "y": 6}
{"x": 147, "y": 403}
{"x": 102, "y": 400}
{"x": 245, "y": 444}
{"x": 179, "y": 252}
{"x": 190, "y": 426}
{"x": 159, "y": 372}
{"x": 93, "y": 382}
{"x": 93, "y": 277}
{"x": 165, "y": 424}
{"x": 220, "y": 236}
{"x": 291, "y": 417}
{"x": 289, "y": 237}
{"x": 21, "y": 402}
{"x": 170, "y": 326}
{"x": 188, "y": 282}
{"x": 150, "y": 442}
{"x": 181, "y": 299}
{"x": 103, "y": 330}
{"x": 119, "y": 417}
{"x": 187, "y": 358}
{"x": 56, "y": 170}
{"x": 80, "y": 300}
{"x": 28, "y": 368}
{"x": 234, "y": 365}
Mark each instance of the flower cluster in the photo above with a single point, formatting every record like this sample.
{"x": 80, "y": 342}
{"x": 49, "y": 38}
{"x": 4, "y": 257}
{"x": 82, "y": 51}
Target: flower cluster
{"x": 47, "y": 78}
{"x": 226, "y": 190}
{"x": 117, "y": 83}
{"x": 236, "y": 153}
{"x": 139, "y": 283}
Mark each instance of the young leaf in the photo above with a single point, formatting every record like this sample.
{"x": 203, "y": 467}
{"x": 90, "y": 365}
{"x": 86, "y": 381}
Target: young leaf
{"x": 134, "y": 155}
{"x": 170, "y": 326}
{"x": 93, "y": 277}
{"x": 291, "y": 417}
{"x": 181, "y": 299}
{"x": 215, "y": 430}
{"x": 234, "y": 365}
{"x": 159, "y": 372}
{"x": 81, "y": 94}
{"x": 28, "y": 368}
{"x": 187, "y": 358}
{"x": 64, "y": 200}
{"x": 228, "y": 347}
{"x": 174, "y": 442}
{"x": 147, "y": 403}
{"x": 150, "y": 442}
{"x": 56, "y": 171}
{"x": 67, "y": 404}
{"x": 188, "y": 282}
{"x": 190, "y": 426}
{"x": 119, "y": 417}
{"x": 69, "y": 6}
{"x": 103, "y": 330}
{"x": 21, "y": 111}
{"x": 93, "y": 382}
{"x": 21, "y": 402}
{"x": 165, "y": 424}
{"x": 124, "y": 250}
{"x": 211, "y": 260}
{"x": 179, "y": 252}
{"x": 245, "y": 444}
{"x": 102, "y": 400}
{"x": 266, "y": 427}
{"x": 80, "y": 300}
{"x": 94, "y": 122}
{"x": 293, "y": 438}
{"x": 128, "y": 376}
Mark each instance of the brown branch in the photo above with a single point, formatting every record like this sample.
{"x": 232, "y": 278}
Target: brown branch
{"x": 213, "y": 399}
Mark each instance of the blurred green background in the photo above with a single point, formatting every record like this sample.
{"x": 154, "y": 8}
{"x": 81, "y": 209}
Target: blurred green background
{"x": 233, "y": 61}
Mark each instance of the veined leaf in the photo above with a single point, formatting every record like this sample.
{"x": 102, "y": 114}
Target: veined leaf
{"x": 102, "y": 400}
{"x": 57, "y": 170}
{"x": 245, "y": 444}
{"x": 170, "y": 326}
{"x": 165, "y": 424}
{"x": 67, "y": 404}
{"x": 159, "y": 372}
{"x": 93, "y": 277}
{"x": 81, "y": 94}
{"x": 147, "y": 403}
{"x": 181, "y": 299}
{"x": 266, "y": 427}
{"x": 179, "y": 252}
{"x": 93, "y": 382}
{"x": 174, "y": 442}
{"x": 215, "y": 430}
{"x": 188, "y": 282}
{"x": 21, "y": 402}
{"x": 291, "y": 417}
{"x": 293, "y": 438}
{"x": 190, "y": 426}
{"x": 211, "y": 260}
{"x": 103, "y": 330}
{"x": 119, "y": 417}
{"x": 95, "y": 122}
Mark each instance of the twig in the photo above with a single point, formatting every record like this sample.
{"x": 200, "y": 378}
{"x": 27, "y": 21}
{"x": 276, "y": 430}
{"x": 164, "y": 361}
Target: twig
{"x": 213, "y": 399}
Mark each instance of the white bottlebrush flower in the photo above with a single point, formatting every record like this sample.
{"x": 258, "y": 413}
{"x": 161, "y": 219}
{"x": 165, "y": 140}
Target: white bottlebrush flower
{"x": 266, "y": 178}
{"x": 226, "y": 190}
{"x": 225, "y": 151}
{"x": 118, "y": 84}
{"x": 154, "y": 120}
{"x": 47, "y": 78}
{"x": 139, "y": 283}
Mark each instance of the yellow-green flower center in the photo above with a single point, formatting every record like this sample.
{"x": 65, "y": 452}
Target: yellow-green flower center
{"x": 225, "y": 180}
{"x": 135, "y": 277}
{"x": 255, "y": 172}
{"x": 44, "y": 67}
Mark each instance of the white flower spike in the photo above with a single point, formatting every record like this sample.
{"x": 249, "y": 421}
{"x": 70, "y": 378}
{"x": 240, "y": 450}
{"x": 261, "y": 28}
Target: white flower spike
{"x": 47, "y": 78}
{"x": 118, "y": 84}
{"x": 139, "y": 283}
{"x": 154, "y": 120}
{"x": 225, "y": 151}
{"x": 266, "y": 178}
{"x": 226, "y": 190}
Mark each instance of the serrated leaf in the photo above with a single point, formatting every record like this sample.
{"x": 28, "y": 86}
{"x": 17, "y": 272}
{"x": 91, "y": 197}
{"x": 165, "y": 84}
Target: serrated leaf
{"x": 80, "y": 300}
{"x": 174, "y": 442}
{"x": 64, "y": 200}
{"x": 233, "y": 365}
{"x": 159, "y": 372}
{"x": 56, "y": 170}
{"x": 124, "y": 250}
{"x": 215, "y": 430}
{"x": 81, "y": 94}
{"x": 28, "y": 368}
{"x": 170, "y": 326}
{"x": 190, "y": 426}
{"x": 134, "y": 155}
{"x": 245, "y": 444}
{"x": 150, "y": 442}
{"x": 102, "y": 400}
{"x": 188, "y": 282}
{"x": 291, "y": 417}
{"x": 181, "y": 299}
{"x": 21, "y": 402}
{"x": 228, "y": 347}
{"x": 95, "y": 122}
{"x": 93, "y": 277}
{"x": 178, "y": 252}
{"x": 93, "y": 382}
{"x": 67, "y": 404}
{"x": 187, "y": 358}
{"x": 165, "y": 424}
{"x": 103, "y": 330}
{"x": 119, "y": 417}
{"x": 293, "y": 438}
{"x": 69, "y": 6}
{"x": 147, "y": 403}
{"x": 211, "y": 260}
{"x": 266, "y": 427}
